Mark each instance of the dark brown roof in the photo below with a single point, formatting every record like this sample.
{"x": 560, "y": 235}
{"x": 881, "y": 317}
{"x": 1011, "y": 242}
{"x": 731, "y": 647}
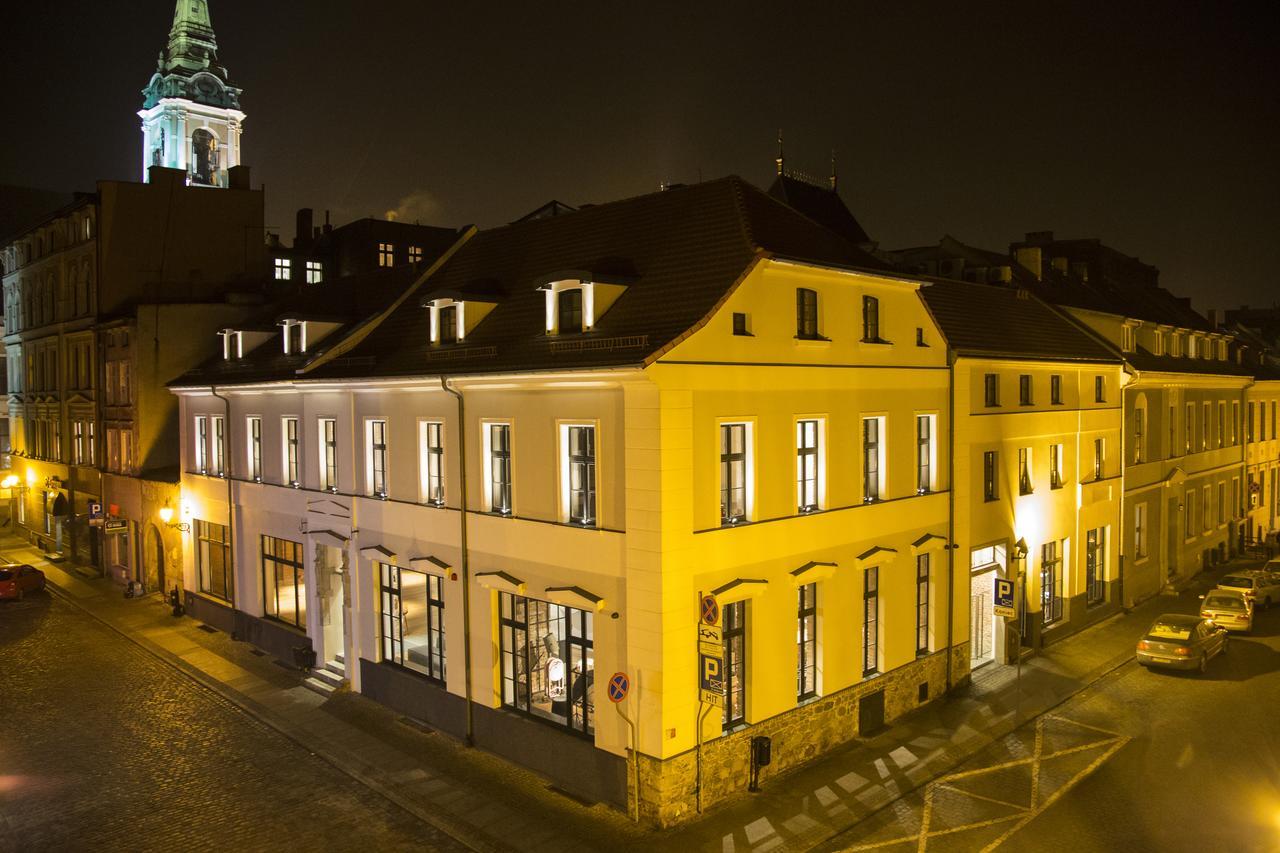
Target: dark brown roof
{"x": 678, "y": 252}
{"x": 1001, "y": 322}
{"x": 820, "y": 204}
{"x": 1143, "y": 359}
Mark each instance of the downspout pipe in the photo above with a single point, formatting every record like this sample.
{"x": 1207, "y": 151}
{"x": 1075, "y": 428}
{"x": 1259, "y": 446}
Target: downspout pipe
{"x": 465, "y": 565}
{"x": 226, "y": 472}
{"x": 951, "y": 512}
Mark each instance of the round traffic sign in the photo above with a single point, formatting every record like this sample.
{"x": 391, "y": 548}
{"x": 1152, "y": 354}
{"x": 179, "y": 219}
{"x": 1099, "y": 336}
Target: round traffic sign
{"x": 710, "y": 610}
{"x": 619, "y": 684}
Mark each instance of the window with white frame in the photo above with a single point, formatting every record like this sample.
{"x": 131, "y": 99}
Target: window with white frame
{"x": 315, "y": 272}
{"x": 1025, "y": 485}
{"x": 289, "y": 451}
{"x": 1222, "y": 423}
{"x": 328, "y": 438}
{"x": 375, "y": 456}
{"x": 1051, "y": 582}
{"x": 734, "y": 450}
{"x": 1189, "y": 428}
{"x": 294, "y": 337}
{"x": 870, "y": 621}
{"x": 284, "y": 269}
{"x": 578, "y": 463}
{"x": 569, "y": 310}
{"x": 218, "y": 447}
{"x": 1222, "y": 503}
{"x": 232, "y": 344}
{"x": 1095, "y": 565}
{"x": 253, "y": 447}
{"x": 922, "y": 603}
{"x": 807, "y": 438}
{"x": 925, "y": 450}
{"x": 873, "y": 459}
{"x": 1206, "y": 506}
{"x": 1204, "y": 426}
{"x": 497, "y": 439}
{"x": 1140, "y": 431}
{"x": 1099, "y": 457}
{"x": 431, "y": 460}
{"x": 807, "y": 642}
{"x": 201, "y": 457}
{"x": 1055, "y": 466}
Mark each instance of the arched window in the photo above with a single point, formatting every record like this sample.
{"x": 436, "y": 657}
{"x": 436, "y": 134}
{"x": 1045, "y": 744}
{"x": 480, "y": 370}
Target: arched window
{"x": 204, "y": 158}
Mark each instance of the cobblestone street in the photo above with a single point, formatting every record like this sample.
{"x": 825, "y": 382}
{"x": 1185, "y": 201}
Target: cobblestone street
{"x": 107, "y": 748}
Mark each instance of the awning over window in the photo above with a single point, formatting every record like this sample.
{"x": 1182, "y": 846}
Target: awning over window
{"x": 500, "y": 581}
{"x": 330, "y": 537}
{"x": 812, "y": 571}
{"x": 574, "y": 596}
{"x": 430, "y": 565}
{"x": 740, "y": 590}
{"x": 927, "y": 543}
{"x": 876, "y": 556}
{"x": 379, "y": 554}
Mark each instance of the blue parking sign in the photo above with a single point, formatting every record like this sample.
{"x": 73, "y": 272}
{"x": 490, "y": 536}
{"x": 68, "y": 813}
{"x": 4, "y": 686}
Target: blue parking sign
{"x": 1002, "y": 599}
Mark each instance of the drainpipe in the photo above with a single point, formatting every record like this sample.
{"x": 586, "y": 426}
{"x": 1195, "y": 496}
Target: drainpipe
{"x": 951, "y": 510}
{"x": 1124, "y": 461}
{"x": 226, "y": 472}
{"x": 466, "y": 568}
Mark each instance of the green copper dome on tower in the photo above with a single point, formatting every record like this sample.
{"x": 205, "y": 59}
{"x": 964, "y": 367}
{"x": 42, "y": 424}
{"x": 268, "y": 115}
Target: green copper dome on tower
{"x": 188, "y": 66}
{"x": 191, "y": 117}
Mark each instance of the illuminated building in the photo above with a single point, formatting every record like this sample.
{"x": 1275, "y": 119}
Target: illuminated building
{"x": 693, "y": 392}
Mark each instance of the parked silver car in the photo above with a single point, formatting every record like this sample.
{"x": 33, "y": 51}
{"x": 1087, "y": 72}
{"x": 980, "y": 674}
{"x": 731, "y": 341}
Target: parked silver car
{"x": 1178, "y": 641}
{"x": 1229, "y": 608}
{"x": 1260, "y": 587}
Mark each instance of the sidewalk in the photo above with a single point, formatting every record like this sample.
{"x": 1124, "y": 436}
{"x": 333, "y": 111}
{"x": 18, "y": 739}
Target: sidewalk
{"x": 491, "y": 805}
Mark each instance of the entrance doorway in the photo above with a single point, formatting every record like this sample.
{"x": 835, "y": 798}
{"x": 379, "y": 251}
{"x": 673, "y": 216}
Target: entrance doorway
{"x": 986, "y": 633}
{"x": 331, "y": 579}
{"x": 155, "y": 560}
{"x": 1174, "y": 536}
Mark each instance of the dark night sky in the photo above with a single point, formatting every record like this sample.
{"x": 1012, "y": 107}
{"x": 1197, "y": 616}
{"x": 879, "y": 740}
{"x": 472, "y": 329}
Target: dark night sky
{"x": 1150, "y": 125}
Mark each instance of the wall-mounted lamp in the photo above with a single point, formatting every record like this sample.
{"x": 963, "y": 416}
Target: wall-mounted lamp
{"x": 1020, "y": 549}
{"x": 10, "y": 482}
{"x": 166, "y": 516}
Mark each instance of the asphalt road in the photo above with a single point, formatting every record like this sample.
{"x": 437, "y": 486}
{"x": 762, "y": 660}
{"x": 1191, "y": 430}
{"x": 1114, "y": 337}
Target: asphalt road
{"x": 104, "y": 747}
{"x": 1140, "y": 761}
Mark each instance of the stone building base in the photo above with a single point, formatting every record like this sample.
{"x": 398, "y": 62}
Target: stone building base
{"x": 669, "y": 788}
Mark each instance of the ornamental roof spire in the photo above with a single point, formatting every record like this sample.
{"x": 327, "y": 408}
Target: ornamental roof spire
{"x": 188, "y": 65}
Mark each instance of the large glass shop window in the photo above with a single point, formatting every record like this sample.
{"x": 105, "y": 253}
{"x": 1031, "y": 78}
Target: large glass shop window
{"x": 548, "y": 661}
{"x": 413, "y": 620}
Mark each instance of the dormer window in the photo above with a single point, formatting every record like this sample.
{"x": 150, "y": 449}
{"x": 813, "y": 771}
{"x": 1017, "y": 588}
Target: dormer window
{"x": 1158, "y": 344}
{"x": 232, "y": 344}
{"x": 448, "y": 324}
{"x": 569, "y": 311}
{"x": 576, "y": 300}
{"x": 1127, "y": 338}
{"x": 294, "y": 336}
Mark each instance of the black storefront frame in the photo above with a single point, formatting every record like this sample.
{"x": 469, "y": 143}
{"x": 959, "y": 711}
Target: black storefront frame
{"x": 513, "y": 621}
{"x": 204, "y": 531}
{"x": 299, "y": 583}
{"x": 391, "y": 617}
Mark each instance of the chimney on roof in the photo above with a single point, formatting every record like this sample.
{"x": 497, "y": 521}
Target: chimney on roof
{"x": 1031, "y": 257}
{"x": 1212, "y": 314}
{"x": 327, "y": 226}
{"x": 302, "y": 234}
{"x": 238, "y": 178}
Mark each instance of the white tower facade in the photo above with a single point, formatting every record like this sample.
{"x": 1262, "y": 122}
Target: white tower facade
{"x": 191, "y": 117}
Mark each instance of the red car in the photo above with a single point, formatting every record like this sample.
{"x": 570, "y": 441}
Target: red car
{"x": 17, "y": 580}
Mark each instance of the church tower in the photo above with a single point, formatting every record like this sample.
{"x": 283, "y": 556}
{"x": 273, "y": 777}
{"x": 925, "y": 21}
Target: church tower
{"x": 191, "y": 118}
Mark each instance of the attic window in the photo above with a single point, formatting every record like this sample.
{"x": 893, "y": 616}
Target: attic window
{"x": 447, "y": 318}
{"x": 232, "y": 344}
{"x": 294, "y": 337}
{"x": 1127, "y": 338}
{"x": 570, "y": 307}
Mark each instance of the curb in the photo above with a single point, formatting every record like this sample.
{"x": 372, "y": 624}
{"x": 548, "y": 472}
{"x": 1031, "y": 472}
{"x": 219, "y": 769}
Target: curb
{"x": 271, "y": 720}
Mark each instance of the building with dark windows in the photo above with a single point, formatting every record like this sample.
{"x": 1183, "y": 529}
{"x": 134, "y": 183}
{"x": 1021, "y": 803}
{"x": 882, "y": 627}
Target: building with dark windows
{"x": 79, "y": 287}
{"x": 538, "y": 452}
{"x": 323, "y": 252}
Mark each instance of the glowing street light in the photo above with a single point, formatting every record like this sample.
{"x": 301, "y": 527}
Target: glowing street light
{"x": 166, "y": 516}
